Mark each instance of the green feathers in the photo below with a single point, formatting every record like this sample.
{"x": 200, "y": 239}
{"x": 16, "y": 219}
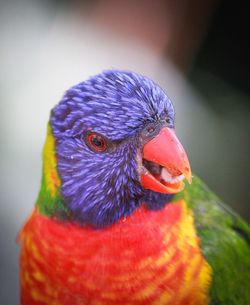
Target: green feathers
{"x": 225, "y": 240}
{"x": 49, "y": 201}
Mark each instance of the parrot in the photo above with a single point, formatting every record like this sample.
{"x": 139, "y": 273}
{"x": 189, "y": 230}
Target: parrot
{"x": 120, "y": 219}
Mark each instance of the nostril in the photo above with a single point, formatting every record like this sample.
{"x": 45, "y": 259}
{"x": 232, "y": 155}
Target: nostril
{"x": 150, "y": 129}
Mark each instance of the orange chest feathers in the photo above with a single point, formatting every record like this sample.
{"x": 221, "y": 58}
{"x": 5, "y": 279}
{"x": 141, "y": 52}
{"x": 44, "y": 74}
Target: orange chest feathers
{"x": 150, "y": 258}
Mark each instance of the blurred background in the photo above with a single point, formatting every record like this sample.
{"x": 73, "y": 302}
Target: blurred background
{"x": 198, "y": 51}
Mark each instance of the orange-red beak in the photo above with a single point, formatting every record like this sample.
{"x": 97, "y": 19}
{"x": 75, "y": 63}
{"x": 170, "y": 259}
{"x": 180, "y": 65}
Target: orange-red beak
{"x": 165, "y": 152}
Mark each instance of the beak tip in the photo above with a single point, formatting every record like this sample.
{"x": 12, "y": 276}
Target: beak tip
{"x": 188, "y": 173}
{"x": 189, "y": 179}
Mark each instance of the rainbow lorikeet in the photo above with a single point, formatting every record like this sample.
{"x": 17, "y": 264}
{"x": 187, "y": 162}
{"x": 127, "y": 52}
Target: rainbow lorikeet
{"x": 114, "y": 222}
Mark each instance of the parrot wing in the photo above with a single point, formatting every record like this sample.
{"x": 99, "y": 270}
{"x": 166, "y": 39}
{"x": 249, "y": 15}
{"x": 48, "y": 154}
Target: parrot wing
{"x": 225, "y": 242}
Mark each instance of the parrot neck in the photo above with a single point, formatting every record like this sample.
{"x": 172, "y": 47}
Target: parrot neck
{"x": 51, "y": 203}
{"x": 49, "y": 200}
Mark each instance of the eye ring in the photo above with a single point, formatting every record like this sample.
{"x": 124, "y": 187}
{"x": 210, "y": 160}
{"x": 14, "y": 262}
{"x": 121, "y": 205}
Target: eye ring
{"x": 96, "y": 141}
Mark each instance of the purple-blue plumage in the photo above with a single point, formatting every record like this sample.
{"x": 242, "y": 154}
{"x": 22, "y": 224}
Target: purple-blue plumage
{"x": 128, "y": 110}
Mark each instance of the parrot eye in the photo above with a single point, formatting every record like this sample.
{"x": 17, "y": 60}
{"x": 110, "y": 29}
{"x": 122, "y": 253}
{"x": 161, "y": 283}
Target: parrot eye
{"x": 96, "y": 142}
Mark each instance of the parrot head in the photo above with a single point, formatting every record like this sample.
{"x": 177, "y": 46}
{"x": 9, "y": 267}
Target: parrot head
{"x": 114, "y": 149}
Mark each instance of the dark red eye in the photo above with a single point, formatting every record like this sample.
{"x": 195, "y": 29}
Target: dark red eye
{"x": 96, "y": 142}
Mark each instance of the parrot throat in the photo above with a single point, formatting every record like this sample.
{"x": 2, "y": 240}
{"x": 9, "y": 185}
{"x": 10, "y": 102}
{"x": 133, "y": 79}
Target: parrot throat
{"x": 51, "y": 203}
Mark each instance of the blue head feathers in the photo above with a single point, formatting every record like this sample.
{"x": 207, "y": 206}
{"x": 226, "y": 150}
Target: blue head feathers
{"x": 100, "y": 126}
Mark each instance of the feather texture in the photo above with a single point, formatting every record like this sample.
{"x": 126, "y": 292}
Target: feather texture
{"x": 151, "y": 257}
